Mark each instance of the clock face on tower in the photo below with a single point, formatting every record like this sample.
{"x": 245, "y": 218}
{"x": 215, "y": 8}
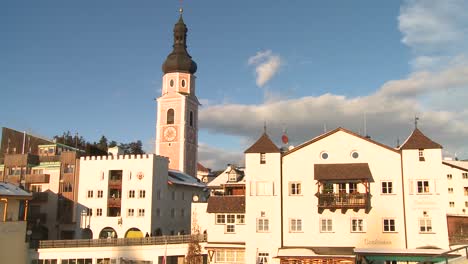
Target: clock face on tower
{"x": 170, "y": 133}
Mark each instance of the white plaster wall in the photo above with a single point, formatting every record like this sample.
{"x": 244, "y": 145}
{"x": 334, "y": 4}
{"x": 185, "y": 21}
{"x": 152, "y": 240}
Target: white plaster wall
{"x": 267, "y": 242}
{"x": 435, "y": 203}
{"x": 384, "y": 165}
{"x": 457, "y": 183}
{"x": 91, "y": 171}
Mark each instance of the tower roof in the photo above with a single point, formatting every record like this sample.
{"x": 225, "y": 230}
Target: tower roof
{"x": 263, "y": 145}
{"x": 179, "y": 60}
{"x": 417, "y": 140}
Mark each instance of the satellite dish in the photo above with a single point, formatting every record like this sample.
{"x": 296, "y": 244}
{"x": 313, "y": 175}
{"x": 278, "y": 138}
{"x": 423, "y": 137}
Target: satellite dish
{"x": 195, "y": 198}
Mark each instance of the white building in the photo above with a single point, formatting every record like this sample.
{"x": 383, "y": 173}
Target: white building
{"x": 331, "y": 198}
{"x": 134, "y": 195}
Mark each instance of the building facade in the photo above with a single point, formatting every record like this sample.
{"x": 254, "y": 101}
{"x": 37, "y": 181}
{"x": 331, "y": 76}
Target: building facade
{"x": 337, "y": 198}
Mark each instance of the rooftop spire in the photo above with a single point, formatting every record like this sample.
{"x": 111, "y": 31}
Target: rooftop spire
{"x": 179, "y": 59}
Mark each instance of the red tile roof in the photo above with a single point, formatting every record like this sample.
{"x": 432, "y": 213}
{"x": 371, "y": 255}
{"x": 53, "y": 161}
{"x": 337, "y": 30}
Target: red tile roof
{"x": 202, "y": 168}
{"x": 226, "y": 204}
{"x": 263, "y": 145}
{"x": 417, "y": 140}
{"x": 342, "y": 171}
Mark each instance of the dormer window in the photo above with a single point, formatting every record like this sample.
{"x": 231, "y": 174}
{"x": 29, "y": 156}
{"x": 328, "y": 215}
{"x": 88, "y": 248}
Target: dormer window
{"x": 262, "y": 158}
{"x": 232, "y": 176}
{"x": 421, "y": 155}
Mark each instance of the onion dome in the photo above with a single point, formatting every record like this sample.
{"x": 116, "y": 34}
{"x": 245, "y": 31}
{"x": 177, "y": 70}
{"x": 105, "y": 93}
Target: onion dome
{"x": 179, "y": 60}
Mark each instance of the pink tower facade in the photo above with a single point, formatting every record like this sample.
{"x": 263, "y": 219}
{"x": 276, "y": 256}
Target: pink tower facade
{"x": 177, "y": 111}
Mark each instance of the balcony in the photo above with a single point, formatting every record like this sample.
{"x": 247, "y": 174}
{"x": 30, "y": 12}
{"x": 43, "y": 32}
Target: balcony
{"x": 40, "y": 197}
{"x": 115, "y": 184}
{"x": 37, "y": 178}
{"x": 343, "y": 200}
{"x": 53, "y": 158}
{"x": 458, "y": 239}
{"x": 114, "y": 202}
{"x": 13, "y": 179}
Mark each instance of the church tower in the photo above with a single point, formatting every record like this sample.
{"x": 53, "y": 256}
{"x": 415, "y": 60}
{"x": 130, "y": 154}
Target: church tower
{"x": 177, "y": 111}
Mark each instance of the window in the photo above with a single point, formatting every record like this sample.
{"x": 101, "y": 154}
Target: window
{"x": 387, "y": 187}
{"x": 68, "y": 168}
{"x": 171, "y": 83}
{"x": 465, "y": 191}
{"x": 421, "y": 155}
{"x": 131, "y": 194}
{"x": 324, "y": 155}
{"x": 423, "y": 186}
{"x": 142, "y": 193}
{"x": 449, "y": 176}
{"x": 191, "y": 118}
{"x": 99, "y": 212}
{"x": 173, "y": 195}
{"x": 342, "y": 188}
{"x": 355, "y": 154}
{"x": 232, "y": 176}
{"x": 425, "y": 225}
{"x": 89, "y": 211}
{"x": 158, "y": 194}
{"x": 183, "y": 83}
{"x": 172, "y": 212}
{"x": 389, "y": 225}
{"x": 170, "y": 117}
{"x": 230, "y": 219}
{"x": 263, "y": 225}
{"x": 295, "y": 188}
{"x": 240, "y": 219}
{"x": 450, "y": 190}
{"x": 229, "y": 256}
{"x": 465, "y": 175}
{"x": 262, "y": 258}
{"x": 352, "y": 187}
{"x": 100, "y": 193}
{"x": 158, "y": 212}
{"x": 326, "y": 225}
{"x": 141, "y": 212}
{"x": 36, "y": 188}
{"x": 264, "y": 188}
{"x": 391, "y": 262}
{"x": 230, "y": 229}
{"x": 357, "y": 225}
{"x": 90, "y": 194}
{"x": 452, "y": 204}
{"x": 130, "y": 212}
{"x": 262, "y": 158}
{"x": 295, "y": 225}
{"x": 220, "y": 219}
{"x": 466, "y": 204}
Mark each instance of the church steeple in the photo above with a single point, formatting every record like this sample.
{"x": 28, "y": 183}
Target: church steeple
{"x": 179, "y": 59}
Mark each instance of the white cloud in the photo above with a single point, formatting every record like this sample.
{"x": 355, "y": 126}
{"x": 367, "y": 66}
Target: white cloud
{"x": 216, "y": 158}
{"x": 267, "y": 65}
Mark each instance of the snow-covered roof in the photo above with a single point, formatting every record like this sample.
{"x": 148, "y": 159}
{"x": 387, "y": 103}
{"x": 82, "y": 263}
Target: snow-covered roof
{"x": 8, "y": 189}
{"x": 223, "y": 178}
{"x": 178, "y": 177}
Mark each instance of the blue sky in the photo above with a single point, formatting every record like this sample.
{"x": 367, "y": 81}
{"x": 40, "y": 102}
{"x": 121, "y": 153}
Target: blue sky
{"x": 94, "y": 67}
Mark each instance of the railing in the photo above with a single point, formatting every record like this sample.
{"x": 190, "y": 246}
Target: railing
{"x": 120, "y": 242}
{"x": 458, "y": 239}
{"x": 114, "y": 202}
{"x": 37, "y": 178}
{"x": 14, "y": 179}
{"x": 53, "y": 158}
{"x": 343, "y": 200}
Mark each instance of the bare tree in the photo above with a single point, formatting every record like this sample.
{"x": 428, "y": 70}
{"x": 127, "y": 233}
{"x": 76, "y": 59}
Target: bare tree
{"x": 194, "y": 255}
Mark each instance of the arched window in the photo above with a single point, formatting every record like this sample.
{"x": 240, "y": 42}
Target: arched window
{"x": 170, "y": 116}
{"x": 191, "y": 118}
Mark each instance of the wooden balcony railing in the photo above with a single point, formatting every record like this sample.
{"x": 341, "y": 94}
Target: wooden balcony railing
{"x": 53, "y": 158}
{"x": 14, "y": 179}
{"x": 119, "y": 242}
{"x": 458, "y": 239}
{"x": 343, "y": 200}
{"x": 37, "y": 178}
{"x": 114, "y": 202}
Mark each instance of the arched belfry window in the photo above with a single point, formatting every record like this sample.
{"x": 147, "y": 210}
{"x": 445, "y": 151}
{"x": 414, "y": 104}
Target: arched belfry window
{"x": 191, "y": 118}
{"x": 170, "y": 116}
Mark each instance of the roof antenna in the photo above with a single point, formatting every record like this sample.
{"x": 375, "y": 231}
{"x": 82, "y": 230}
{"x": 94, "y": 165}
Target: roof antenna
{"x": 416, "y": 118}
{"x": 324, "y": 128}
{"x": 398, "y": 142}
{"x": 365, "y": 125}
{"x": 264, "y": 127}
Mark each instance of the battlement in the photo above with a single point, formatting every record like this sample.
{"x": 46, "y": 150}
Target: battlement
{"x": 121, "y": 157}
